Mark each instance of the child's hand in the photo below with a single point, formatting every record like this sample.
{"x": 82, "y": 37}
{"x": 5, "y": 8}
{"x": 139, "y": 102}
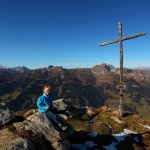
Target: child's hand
{"x": 47, "y": 108}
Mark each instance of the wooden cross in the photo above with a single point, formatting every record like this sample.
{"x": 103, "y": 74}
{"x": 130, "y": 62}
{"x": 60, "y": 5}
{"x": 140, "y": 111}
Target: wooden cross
{"x": 121, "y": 86}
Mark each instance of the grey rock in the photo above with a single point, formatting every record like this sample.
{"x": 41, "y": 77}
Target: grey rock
{"x": 59, "y": 105}
{"x": 91, "y": 112}
{"x": 41, "y": 126}
{"x": 5, "y": 115}
{"x": 78, "y": 112}
{"x": 11, "y": 141}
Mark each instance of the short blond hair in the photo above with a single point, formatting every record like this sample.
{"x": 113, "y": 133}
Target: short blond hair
{"x": 47, "y": 86}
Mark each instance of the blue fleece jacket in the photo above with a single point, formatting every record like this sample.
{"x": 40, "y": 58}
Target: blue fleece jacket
{"x": 44, "y": 101}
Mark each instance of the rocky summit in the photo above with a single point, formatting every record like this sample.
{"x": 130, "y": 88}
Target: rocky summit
{"x": 36, "y": 131}
{"x": 88, "y": 129}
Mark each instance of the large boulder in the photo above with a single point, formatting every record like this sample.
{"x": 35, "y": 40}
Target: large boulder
{"x": 5, "y": 115}
{"x": 39, "y": 126}
{"x": 12, "y": 141}
{"x": 35, "y": 131}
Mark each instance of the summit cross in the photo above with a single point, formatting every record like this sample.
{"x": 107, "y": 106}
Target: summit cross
{"x": 122, "y": 85}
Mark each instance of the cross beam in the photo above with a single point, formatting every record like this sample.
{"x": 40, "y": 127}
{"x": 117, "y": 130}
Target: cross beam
{"x": 121, "y": 86}
{"x": 123, "y": 39}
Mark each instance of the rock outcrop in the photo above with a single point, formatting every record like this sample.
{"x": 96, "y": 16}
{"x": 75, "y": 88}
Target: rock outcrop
{"x": 5, "y": 115}
{"x": 39, "y": 126}
{"x": 37, "y": 131}
{"x": 12, "y": 141}
{"x": 88, "y": 128}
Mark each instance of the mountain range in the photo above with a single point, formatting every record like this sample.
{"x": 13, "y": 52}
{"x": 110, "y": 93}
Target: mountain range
{"x": 142, "y": 68}
{"x": 13, "y": 70}
{"x": 96, "y": 87}
{"x": 22, "y": 69}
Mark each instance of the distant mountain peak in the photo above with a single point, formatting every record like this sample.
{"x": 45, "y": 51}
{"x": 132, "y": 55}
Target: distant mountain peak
{"x": 103, "y": 69}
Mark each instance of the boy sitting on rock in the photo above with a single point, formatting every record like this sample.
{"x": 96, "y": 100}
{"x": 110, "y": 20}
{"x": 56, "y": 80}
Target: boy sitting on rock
{"x": 44, "y": 104}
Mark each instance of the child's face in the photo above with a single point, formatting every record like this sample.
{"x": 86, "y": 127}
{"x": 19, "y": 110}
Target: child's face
{"x": 47, "y": 91}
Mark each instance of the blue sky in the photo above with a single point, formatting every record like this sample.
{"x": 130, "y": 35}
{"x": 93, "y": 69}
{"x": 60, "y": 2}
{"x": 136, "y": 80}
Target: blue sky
{"x": 38, "y": 33}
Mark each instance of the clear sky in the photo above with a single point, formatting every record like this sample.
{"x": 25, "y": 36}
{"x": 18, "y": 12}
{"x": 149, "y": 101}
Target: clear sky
{"x": 38, "y": 33}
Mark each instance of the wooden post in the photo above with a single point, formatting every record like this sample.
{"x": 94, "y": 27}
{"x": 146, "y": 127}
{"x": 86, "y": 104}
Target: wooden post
{"x": 121, "y": 68}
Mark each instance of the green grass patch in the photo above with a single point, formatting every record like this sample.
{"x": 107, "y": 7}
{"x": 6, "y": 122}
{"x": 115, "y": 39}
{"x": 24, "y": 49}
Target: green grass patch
{"x": 144, "y": 111}
{"x": 15, "y": 94}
